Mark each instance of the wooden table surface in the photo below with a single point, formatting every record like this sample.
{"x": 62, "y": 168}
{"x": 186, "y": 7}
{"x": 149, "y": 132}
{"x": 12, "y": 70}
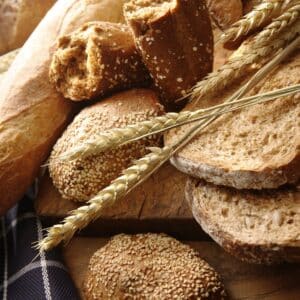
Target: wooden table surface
{"x": 242, "y": 281}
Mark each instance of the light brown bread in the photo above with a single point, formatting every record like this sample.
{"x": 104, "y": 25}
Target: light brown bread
{"x": 82, "y": 178}
{"x": 150, "y": 266}
{"x": 175, "y": 40}
{"x": 18, "y": 19}
{"x": 255, "y": 226}
{"x": 257, "y": 147}
{"x": 98, "y": 58}
{"x": 32, "y": 114}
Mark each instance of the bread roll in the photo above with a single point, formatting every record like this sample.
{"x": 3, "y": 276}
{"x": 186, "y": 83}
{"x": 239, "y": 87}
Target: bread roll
{"x": 18, "y": 19}
{"x": 82, "y": 178}
{"x": 261, "y": 227}
{"x": 150, "y": 266}
{"x": 175, "y": 40}
{"x": 32, "y": 114}
{"x": 98, "y": 58}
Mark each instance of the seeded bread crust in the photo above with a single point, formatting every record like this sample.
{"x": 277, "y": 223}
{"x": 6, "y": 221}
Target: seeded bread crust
{"x": 175, "y": 40}
{"x": 150, "y": 266}
{"x": 254, "y": 148}
{"x": 261, "y": 233}
{"x": 97, "y": 59}
{"x": 82, "y": 178}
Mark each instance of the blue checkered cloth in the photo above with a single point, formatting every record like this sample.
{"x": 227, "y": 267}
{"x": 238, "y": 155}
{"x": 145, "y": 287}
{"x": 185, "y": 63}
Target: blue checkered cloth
{"x": 23, "y": 274}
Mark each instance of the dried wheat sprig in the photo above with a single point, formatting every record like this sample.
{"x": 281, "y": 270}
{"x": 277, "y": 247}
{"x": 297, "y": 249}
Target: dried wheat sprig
{"x": 256, "y": 51}
{"x": 261, "y": 15}
{"x": 7, "y": 59}
{"x": 139, "y": 172}
{"x": 119, "y": 136}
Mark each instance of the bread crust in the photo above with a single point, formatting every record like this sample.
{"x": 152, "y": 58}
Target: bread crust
{"x": 32, "y": 114}
{"x": 252, "y": 253}
{"x": 174, "y": 46}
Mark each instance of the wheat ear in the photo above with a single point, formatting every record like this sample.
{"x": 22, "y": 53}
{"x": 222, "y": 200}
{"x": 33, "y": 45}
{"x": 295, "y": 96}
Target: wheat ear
{"x": 7, "y": 59}
{"x": 261, "y": 15}
{"x": 119, "y": 136}
{"x": 254, "y": 52}
{"x": 139, "y": 172}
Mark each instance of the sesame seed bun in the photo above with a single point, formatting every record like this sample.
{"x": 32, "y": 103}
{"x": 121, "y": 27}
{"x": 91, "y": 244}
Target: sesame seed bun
{"x": 150, "y": 266}
{"x": 81, "y": 179}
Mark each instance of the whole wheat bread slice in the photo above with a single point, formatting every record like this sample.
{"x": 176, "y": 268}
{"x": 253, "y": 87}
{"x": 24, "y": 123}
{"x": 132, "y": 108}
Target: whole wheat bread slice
{"x": 255, "y": 226}
{"x": 253, "y": 148}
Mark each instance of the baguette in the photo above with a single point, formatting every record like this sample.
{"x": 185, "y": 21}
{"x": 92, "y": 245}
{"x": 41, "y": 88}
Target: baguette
{"x": 261, "y": 227}
{"x": 32, "y": 114}
{"x": 18, "y": 19}
{"x": 255, "y": 148}
{"x": 175, "y": 40}
{"x": 82, "y": 178}
{"x": 98, "y": 58}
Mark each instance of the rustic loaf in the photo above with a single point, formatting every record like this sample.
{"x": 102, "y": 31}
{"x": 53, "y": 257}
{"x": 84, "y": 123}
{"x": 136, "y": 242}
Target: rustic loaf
{"x": 98, "y": 58}
{"x": 150, "y": 266}
{"x": 175, "y": 40}
{"x": 82, "y": 178}
{"x": 255, "y": 226}
{"x": 257, "y": 147}
{"x": 32, "y": 114}
{"x": 18, "y": 19}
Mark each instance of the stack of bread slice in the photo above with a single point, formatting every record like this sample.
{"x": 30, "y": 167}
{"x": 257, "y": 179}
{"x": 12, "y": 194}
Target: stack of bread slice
{"x": 246, "y": 169}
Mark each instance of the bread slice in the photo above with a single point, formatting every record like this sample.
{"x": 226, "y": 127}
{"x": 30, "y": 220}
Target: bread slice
{"x": 254, "y": 148}
{"x": 175, "y": 40}
{"x": 255, "y": 226}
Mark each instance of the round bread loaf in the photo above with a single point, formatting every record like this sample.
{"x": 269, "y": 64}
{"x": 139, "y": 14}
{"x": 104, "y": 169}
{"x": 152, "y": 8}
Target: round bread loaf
{"x": 150, "y": 266}
{"x": 96, "y": 59}
{"x": 82, "y": 178}
{"x": 175, "y": 40}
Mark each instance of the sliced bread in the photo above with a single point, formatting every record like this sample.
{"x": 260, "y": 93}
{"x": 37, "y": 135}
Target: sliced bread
{"x": 255, "y": 226}
{"x": 254, "y": 148}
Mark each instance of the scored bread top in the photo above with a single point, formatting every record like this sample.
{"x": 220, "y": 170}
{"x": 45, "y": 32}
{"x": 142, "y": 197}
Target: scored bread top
{"x": 82, "y": 178}
{"x": 256, "y": 226}
{"x": 257, "y": 147}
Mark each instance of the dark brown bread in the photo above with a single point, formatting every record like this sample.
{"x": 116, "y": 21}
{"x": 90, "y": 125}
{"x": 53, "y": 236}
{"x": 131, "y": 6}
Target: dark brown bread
{"x": 150, "y": 266}
{"x": 175, "y": 40}
{"x": 32, "y": 114}
{"x": 98, "y": 58}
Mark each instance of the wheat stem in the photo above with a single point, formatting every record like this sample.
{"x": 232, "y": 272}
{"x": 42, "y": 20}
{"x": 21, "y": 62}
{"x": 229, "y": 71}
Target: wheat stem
{"x": 119, "y": 136}
{"x": 139, "y": 172}
{"x": 255, "y": 52}
{"x": 7, "y": 59}
{"x": 261, "y": 15}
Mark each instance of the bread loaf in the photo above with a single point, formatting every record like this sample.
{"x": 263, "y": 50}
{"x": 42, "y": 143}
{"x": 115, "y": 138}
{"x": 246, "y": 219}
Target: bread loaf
{"x": 175, "y": 40}
{"x": 150, "y": 266}
{"x": 18, "y": 19}
{"x": 254, "y": 148}
{"x": 82, "y": 178}
{"x": 255, "y": 226}
{"x": 32, "y": 114}
{"x": 98, "y": 58}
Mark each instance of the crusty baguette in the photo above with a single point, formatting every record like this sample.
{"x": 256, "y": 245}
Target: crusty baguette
{"x": 82, "y": 178}
{"x": 96, "y": 59}
{"x": 18, "y": 19}
{"x": 175, "y": 40}
{"x": 255, "y": 226}
{"x": 32, "y": 114}
{"x": 255, "y": 148}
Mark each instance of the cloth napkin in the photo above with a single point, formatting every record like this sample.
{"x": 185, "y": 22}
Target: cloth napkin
{"x": 23, "y": 274}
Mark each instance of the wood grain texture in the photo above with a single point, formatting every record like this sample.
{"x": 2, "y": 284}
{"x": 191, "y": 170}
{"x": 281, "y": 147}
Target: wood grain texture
{"x": 242, "y": 281}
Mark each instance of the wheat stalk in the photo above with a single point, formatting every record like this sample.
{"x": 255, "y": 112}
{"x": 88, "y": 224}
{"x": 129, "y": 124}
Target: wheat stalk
{"x": 119, "y": 136}
{"x": 254, "y": 52}
{"x": 7, "y": 59}
{"x": 139, "y": 172}
{"x": 261, "y": 15}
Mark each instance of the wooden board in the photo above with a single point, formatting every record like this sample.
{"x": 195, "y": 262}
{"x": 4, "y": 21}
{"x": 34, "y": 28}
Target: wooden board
{"x": 157, "y": 205}
{"x": 242, "y": 281}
